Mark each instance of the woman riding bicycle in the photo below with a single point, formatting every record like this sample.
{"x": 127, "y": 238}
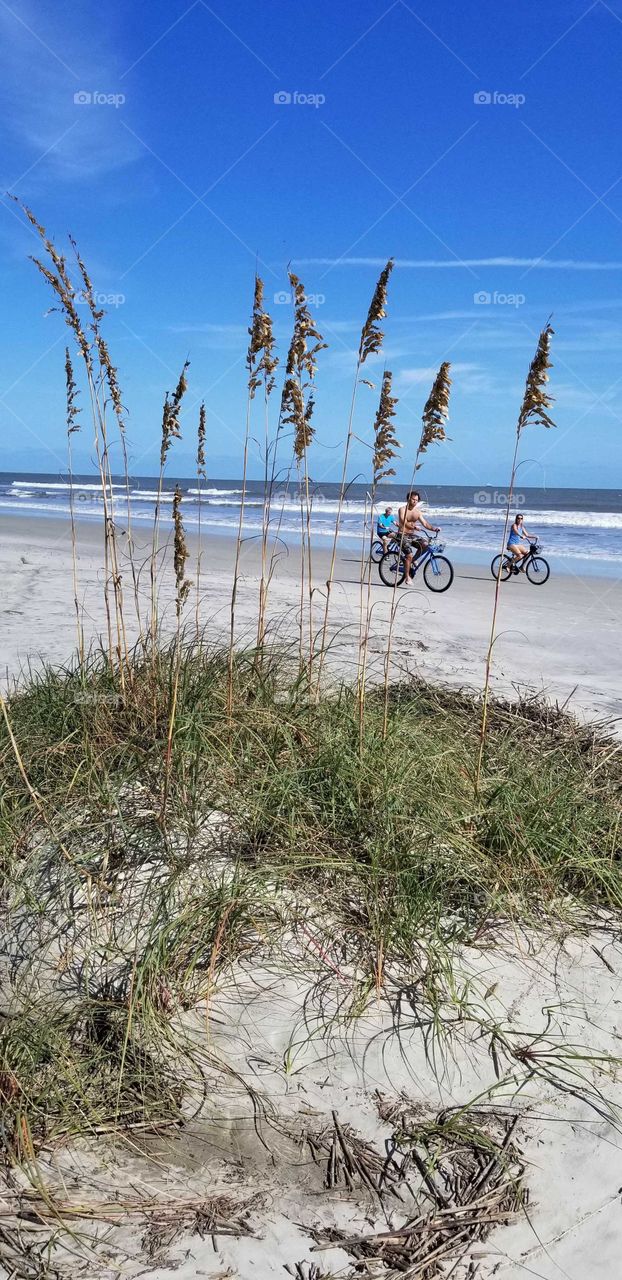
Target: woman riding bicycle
{"x": 518, "y": 542}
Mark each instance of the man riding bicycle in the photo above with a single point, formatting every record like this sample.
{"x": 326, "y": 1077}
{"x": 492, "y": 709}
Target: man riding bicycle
{"x": 411, "y": 518}
{"x": 385, "y": 527}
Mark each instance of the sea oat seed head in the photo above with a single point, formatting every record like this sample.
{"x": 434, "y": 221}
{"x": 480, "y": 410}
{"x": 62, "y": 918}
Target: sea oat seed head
{"x": 371, "y": 335}
{"x": 385, "y": 443}
{"x": 536, "y": 401}
{"x": 436, "y": 410}
{"x": 201, "y": 443}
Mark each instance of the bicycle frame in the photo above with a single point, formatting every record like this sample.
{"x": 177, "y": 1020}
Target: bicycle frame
{"x": 534, "y": 551}
{"x": 420, "y": 561}
{"x": 428, "y": 553}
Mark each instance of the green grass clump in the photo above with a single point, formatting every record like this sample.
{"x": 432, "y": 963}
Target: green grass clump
{"x": 125, "y": 902}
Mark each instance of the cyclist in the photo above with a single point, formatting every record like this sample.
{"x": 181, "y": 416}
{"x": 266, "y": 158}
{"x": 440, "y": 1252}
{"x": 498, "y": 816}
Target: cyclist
{"x": 410, "y": 518}
{"x": 518, "y": 542}
{"x": 385, "y": 526}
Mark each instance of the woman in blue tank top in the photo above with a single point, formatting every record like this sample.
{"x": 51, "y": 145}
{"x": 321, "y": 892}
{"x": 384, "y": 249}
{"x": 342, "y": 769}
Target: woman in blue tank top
{"x": 518, "y": 541}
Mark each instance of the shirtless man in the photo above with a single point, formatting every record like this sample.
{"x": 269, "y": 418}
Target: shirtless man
{"x": 410, "y": 517}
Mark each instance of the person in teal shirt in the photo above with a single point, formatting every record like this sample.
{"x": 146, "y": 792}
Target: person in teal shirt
{"x": 385, "y": 526}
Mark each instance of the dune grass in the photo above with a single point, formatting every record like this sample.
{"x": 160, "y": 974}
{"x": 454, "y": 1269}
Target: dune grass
{"x": 280, "y": 826}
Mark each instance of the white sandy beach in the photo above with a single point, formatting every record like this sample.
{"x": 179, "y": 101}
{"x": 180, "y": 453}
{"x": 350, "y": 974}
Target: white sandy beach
{"x": 561, "y": 639}
{"x": 280, "y": 1060}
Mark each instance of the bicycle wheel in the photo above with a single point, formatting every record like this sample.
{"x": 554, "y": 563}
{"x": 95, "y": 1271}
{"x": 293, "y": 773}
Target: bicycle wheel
{"x": 377, "y": 552}
{"x": 506, "y": 568}
{"x": 438, "y": 573}
{"x": 391, "y": 569}
{"x": 537, "y": 571}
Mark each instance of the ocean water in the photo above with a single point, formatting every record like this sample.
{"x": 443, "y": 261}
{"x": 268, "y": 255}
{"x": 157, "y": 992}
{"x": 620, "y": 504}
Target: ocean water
{"x": 572, "y": 524}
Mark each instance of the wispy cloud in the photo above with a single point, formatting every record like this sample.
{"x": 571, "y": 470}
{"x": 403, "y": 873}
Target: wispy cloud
{"x": 545, "y": 264}
{"x": 469, "y": 377}
{"x": 240, "y": 330}
{"x": 46, "y": 57}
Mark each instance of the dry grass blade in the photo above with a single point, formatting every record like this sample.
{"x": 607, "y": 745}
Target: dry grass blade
{"x": 481, "y": 1171}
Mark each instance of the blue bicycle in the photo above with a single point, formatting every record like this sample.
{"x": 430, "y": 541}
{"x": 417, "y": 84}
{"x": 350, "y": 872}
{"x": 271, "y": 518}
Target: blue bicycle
{"x": 377, "y": 549}
{"x": 438, "y": 573}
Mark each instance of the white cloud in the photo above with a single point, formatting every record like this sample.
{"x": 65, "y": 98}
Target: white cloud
{"x": 550, "y": 264}
{"x": 44, "y": 61}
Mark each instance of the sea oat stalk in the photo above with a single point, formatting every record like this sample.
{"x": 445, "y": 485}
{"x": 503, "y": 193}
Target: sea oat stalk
{"x": 73, "y": 426}
{"x": 372, "y": 337}
{"x": 260, "y": 363}
{"x": 201, "y": 475}
{"x": 297, "y": 405}
{"x": 59, "y": 279}
{"x": 108, "y": 378}
{"x": 534, "y": 411}
{"x": 434, "y": 417}
{"x": 171, "y": 430}
{"x": 105, "y": 379}
{"x": 386, "y": 449}
{"x": 182, "y": 587}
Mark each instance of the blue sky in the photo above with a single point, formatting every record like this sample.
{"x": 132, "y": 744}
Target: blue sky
{"x": 185, "y": 170}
